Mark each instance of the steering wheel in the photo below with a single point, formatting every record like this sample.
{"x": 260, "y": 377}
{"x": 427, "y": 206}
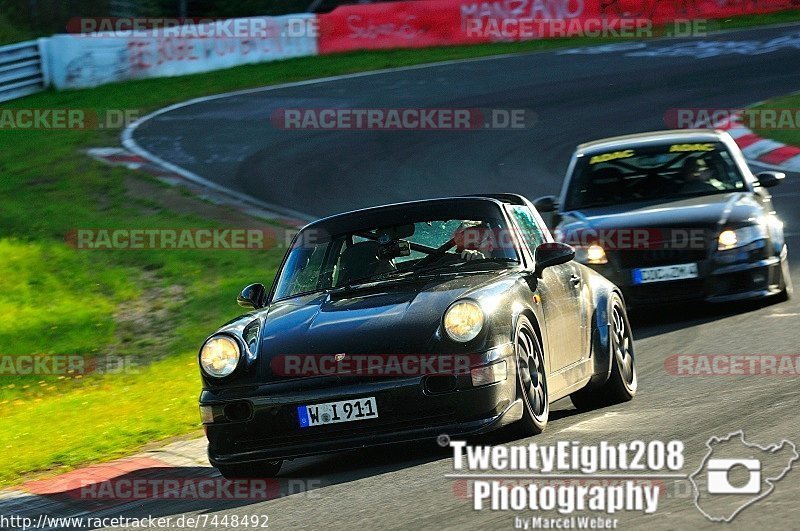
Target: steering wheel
{"x": 435, "y": 254}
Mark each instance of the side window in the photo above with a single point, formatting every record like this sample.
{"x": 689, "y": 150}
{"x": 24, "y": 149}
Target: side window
{"x": 531, "y": 232}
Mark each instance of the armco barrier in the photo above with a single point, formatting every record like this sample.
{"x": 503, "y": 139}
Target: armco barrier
{"x": 417, "y": 24}
{"x": 88, "y": 60}
{"x": 23, "y": 70}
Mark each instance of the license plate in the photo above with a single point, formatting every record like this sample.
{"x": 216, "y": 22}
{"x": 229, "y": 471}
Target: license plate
{"x": 335, "y": 412}
{"x": 664, "y": 273}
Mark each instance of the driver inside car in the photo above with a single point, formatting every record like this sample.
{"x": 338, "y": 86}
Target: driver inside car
{"x": 474, "y": 241}
{"x": 696, "y": 176}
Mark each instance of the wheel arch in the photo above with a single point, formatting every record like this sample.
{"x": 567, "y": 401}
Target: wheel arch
{"x": 603, "y": 297}
{"x": 534, "y": 320}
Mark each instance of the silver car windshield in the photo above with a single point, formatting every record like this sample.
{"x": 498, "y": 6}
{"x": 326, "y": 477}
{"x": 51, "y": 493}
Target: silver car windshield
{"x": 661, "y": 172}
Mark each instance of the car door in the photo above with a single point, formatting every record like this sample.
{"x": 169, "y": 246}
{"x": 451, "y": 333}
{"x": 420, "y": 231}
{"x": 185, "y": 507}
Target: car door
{"x": 561, "y": 287}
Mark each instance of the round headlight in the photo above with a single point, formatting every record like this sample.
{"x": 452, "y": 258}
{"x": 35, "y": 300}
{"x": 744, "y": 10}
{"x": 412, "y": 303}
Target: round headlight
{"x": 728, "y": 239}
{"x": 595, "y": 254}
{"x": 220, "y": 356}
{"x": 463, "y": 321}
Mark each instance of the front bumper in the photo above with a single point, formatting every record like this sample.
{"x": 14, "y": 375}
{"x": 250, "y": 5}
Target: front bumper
{"x": 722, "y": 277}
{"x": 406, "y": 412}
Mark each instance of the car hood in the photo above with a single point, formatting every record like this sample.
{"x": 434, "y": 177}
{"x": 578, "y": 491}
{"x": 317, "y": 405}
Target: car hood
{"x": 709, "y": 211}
{"x": 403, "y": 317}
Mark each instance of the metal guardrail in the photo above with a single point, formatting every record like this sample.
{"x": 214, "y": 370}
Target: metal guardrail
{"x": 22, "y": 69}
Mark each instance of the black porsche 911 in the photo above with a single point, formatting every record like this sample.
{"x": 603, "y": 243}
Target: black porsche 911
{"x": 404, "y": 322}
{"x": 673, "y": 216}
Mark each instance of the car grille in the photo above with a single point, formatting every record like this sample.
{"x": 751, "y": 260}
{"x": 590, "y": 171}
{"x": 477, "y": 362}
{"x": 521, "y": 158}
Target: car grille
{"x": 659, "y": 257}
{"x": 678, "y": 290}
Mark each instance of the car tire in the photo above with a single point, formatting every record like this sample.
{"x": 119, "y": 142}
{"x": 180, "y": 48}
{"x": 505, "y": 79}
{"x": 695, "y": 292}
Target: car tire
{"x": 260, "y": 469}
{"x": 531, "y": 379}
{"x": 621, "y": 386}
{"x": 786, "y": 282}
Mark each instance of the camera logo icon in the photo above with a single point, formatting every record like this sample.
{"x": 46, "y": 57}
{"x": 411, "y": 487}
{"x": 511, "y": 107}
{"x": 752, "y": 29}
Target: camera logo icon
{"x": 735, "y": 474}
{"x": 718, "y": 476}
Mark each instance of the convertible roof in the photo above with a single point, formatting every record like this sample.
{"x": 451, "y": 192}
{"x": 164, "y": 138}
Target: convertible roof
{"x": 652, "y": 137}
{"x": 400, "y": 213}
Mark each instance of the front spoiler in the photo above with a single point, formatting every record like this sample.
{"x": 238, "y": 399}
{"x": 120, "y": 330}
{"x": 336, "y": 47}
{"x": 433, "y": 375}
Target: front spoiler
{"x": 408, "y": 411}
{"x": 510, "y": 415}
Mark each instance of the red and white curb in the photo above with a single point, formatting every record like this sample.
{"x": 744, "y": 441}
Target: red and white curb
{"x": 763, "y": 151}
{"x": 63, "y": 496}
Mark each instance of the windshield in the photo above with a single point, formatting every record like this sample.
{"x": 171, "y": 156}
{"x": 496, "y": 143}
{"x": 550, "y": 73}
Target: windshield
{"x": 661, "y": 172}
{"x": 378, "y": 253}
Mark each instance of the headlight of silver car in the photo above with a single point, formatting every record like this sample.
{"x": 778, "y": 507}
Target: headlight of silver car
{"x": 219, "y": 356}
{"x": 733, "y": 238}
{"x": 591, "y": 254}
{"x": 463, "y": 321}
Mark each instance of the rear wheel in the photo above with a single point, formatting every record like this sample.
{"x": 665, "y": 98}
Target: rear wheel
{"x": 260, "y": 469}
{"x": 622, "y": 384}
{"x": 531, "y": 379}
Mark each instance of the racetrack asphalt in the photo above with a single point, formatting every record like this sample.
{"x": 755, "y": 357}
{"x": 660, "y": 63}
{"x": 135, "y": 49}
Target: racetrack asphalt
{"x": 576, "y": 96}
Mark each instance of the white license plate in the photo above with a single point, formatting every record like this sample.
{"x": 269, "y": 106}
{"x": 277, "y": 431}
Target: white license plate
{"x": 335, "y": 412}
{"x": 664, "y": 273}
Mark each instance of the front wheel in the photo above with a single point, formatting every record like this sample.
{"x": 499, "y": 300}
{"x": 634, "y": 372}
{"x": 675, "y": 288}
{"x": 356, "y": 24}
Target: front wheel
{"x": 787, "y": 289}
{"x": 531, "y": 379}
{"x": 622, "y": 384}
{"x": 260, "y": 469}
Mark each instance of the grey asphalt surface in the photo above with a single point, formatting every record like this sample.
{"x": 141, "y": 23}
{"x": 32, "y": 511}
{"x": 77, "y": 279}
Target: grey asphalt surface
{"x": 576, "y": 97}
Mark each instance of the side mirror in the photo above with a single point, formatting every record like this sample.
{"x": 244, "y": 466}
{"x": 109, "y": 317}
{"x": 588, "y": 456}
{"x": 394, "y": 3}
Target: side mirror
{"x": 550, "y": 254}
{"x": 253, "y": 296}
{"x": 768, "y": 179}
{"x": 547, "y": 203}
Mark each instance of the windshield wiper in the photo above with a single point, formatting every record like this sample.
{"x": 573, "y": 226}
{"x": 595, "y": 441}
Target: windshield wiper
{"x": 393, "y": 276}
{"x": 376, "y": 280}
{"x": 458, "y": 266}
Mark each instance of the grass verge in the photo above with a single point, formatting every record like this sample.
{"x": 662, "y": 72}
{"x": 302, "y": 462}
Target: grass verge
{"x": 786, "y": 128}
{"x": 155, "y": 306}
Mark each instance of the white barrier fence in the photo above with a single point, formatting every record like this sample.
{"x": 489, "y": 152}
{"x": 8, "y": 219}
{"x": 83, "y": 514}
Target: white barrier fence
{"x": 23, "y": 69}
{"x": 73, "y": 61}
{"x": 88, "y": 60}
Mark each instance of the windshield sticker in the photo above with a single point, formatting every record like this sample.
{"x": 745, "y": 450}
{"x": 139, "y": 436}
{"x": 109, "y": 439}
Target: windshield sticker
{"x": 680, "y": 148}
{"x": 605, "y": 157}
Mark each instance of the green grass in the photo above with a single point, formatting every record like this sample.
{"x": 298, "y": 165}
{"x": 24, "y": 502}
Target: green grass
{"x": 153, "y": 306}
{"x": 787, "y": 106}
{"x": 11, "y": 33}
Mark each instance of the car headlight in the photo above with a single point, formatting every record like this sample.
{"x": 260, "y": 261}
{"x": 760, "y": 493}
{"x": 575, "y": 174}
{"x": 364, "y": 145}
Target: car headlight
{"x": 463, "y": 321}
{"x": 733, "y": 238}
{"x": 220, "y": 356}
{"x": 593, "y": 254}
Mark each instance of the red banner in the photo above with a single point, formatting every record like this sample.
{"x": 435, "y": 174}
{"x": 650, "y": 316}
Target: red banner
{"x": 425, "y": 23}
